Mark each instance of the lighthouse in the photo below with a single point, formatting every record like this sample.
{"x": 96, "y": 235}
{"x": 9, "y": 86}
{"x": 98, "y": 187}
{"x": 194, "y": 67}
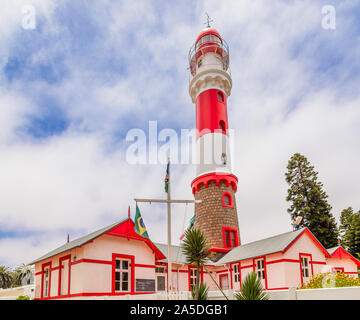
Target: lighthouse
{"x": 214, "y": 184}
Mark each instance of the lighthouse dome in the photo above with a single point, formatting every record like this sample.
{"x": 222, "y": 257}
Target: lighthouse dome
{"x": 208, "y": 32}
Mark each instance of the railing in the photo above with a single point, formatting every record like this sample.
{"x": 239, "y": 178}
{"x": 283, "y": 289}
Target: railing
{"x": 220, "y": 49}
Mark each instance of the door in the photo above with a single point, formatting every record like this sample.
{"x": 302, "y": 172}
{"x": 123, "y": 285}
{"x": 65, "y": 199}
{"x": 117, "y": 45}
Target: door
{"x": 161, "y": 283}
{"x": 64, "y": 289}
{"x": 224, "y": 282}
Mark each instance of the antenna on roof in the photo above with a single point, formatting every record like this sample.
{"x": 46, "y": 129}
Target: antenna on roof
{"x": 68, "y": 238}
{"x": 129, "y": 212}
{"x": 208, "y": 20}
{"x": 296, "y": 223}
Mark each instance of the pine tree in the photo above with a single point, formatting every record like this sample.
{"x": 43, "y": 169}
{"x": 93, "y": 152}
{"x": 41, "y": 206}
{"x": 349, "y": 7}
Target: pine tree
{"x": 345, "y": 221}
{"x": 350, "y": 231}
{"x": 309, "y": 200}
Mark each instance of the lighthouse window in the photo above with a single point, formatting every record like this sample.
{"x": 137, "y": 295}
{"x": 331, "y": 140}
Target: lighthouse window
{"x": 230, "y": 237}
{"x": 227, "y": 200}
{"x": 208, "y": 39}
{"x": 222, "y": 125}
{"x": 220, "y": 96}
{"x": 200, "y": 63}
{"x": 223, "y": 158}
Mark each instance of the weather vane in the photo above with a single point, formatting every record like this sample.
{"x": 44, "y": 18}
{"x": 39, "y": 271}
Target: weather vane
{"x": 208, "y": 20}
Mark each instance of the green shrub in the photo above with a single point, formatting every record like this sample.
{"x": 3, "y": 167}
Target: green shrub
{"x": 22, "y": 298}
{"x": 332, "y": 280}
{"x": 203, "y": 291}
{"x": 251, "y": 289}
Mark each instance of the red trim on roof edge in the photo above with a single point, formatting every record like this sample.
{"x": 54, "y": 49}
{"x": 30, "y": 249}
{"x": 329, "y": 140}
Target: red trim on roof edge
{"x": 341, "y": 253}
{"x": 312, "y": 237}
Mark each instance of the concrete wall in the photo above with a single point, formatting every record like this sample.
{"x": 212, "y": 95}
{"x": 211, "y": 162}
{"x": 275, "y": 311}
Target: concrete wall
{"x": 344, "y": 293}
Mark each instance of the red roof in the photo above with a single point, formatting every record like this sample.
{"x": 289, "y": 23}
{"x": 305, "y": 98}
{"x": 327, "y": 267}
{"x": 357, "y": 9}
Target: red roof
{"x": 341, "y": 253}
{"x": 207, "y": 31}
{"x": 127, "y": 230}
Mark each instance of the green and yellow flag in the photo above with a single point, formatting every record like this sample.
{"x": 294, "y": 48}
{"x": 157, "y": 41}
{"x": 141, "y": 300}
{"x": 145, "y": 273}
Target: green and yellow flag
{"x": 140, "y": 228}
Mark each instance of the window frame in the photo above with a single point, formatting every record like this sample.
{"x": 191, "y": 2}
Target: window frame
{"x": 260, "y": 268}
{"x": 131, "y": 273}
{"x": 309, "y": 266}
{"x": 236, "y": 271}
{"x": 231, "y": 203}
{"x": 227, "y": 232}
{"x": 46, "y": 267}
{"x": 220, "y": 96}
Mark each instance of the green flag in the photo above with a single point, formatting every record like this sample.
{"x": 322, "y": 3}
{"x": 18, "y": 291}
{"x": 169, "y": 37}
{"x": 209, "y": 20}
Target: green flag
{"x": 167, "y": 178}
{"x": 140, "y": 228}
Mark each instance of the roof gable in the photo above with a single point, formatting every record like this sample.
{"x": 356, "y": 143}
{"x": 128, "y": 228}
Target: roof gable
{"x": 279, "y": 243}
{"x": 124, "y": 228}
{"x": 341, "y": 253}
{"x": 313, "y": 238}
{"x": 127, "y": 230}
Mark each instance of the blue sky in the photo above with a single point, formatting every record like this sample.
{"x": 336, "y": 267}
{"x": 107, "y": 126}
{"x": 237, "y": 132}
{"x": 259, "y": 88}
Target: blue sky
{"x": 72, "y": 88}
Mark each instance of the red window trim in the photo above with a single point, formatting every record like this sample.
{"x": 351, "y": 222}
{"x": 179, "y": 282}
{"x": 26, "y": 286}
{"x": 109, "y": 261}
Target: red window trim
{"x": 265, "y": 270}
{"x": 222, "y": 276}
{"x": 236, "y": 236}
{"x": 189, "y": 275}
{"x": 231, "y": 202}
{"x": 222, "y": 100}
{"x": 339, "y": 269}
{"x": 67, "y": 257}
{"x": 132, "y": 270}
{"x": 311, "y": 264}
{"x": 43, "y": 266}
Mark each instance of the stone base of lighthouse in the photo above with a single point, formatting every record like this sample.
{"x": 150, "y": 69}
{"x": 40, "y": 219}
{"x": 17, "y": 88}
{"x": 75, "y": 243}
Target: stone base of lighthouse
{"x": 217, "y": 217}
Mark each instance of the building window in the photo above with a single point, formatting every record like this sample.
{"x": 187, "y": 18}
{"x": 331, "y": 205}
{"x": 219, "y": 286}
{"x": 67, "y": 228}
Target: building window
{"x": 160, "y": 278}
{"x": 199, "y": 63}
{"x": 236, "y": 273}
{"x": 305, "y": 267}
{"x": 260, "y": 268}
{"x": 46, "y": 282}
{"x": 227, "y": 200}
{"x": 193, "y": 273}
{"x": 122, "y": 275}
{"x": 220, "y": 96}
{"x": 160, "y": 270}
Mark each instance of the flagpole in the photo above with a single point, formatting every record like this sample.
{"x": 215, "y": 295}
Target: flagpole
{"x": 169, "y": 229}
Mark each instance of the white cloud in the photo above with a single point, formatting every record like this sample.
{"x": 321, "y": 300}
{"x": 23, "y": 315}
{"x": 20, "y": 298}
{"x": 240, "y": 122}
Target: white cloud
{"x": 279, "y": 105}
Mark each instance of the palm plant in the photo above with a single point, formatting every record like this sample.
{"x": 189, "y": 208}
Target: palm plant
{"x": 195, "y": 249}
{"x": 22, "y": 272}
{"x": 251, "y": 289}
{"x": 5, "y": 277}
{"x": 203, "y": 291}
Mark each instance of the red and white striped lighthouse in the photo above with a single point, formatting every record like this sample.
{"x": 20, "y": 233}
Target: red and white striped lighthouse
{"x": 215, "y": 184}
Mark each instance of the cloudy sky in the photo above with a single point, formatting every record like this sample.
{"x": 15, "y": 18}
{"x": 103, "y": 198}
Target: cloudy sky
{"x": 74, "y": 84}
